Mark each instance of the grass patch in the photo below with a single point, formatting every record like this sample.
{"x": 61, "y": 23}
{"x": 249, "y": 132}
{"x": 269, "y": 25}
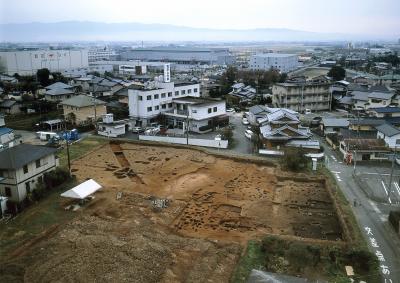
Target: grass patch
{"x": 34, "y": 220}
{"x": 254, "y": 258}
{"x": 80, "y": 148}
{"x": 26, "y": 121}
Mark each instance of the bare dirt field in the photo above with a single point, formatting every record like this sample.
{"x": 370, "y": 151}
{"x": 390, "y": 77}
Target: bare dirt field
{"x": 176, "y": 215}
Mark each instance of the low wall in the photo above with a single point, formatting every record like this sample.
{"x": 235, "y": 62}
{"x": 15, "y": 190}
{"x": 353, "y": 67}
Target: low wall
{"x": 198, "y": 142}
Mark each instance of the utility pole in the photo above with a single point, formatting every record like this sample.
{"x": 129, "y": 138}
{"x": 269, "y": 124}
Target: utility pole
{"x": 187, "y": 126}
{"x": 66, "y": 140}
{"x": 355, "y": 161}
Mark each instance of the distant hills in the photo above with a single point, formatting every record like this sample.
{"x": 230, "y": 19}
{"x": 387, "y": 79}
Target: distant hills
{"x": 93, "y": 31}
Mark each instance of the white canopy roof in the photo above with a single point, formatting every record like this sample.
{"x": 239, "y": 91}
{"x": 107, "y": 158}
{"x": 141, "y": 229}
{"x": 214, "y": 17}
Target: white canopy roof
{"x": 83, "y": 190}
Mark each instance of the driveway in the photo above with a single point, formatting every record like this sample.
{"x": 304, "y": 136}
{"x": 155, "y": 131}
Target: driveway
{"x": 241, "y": 144}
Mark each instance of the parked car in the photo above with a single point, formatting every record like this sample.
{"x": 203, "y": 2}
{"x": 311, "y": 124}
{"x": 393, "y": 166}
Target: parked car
{"x": 245, "y": 121}
{"x": 137, "y": 130}
{"x": 307, "y": 111}
{"x": 218, "y": 137}
{"x": 248, "y": 134}
{"x": 151, "y": 131}
{"x": 316, "y": 121}
{"x": 230, "y": 110}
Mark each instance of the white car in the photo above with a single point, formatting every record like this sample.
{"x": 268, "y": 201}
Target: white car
{"x": 230, "y": 110}
{"x": 248, "y": 134}
{"x": 137, "y": 130}
{"x": 218, "y": 137}
{"x": 245, "y": 121}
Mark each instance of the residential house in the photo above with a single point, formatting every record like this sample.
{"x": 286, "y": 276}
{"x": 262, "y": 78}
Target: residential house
{"x": 363, "y": 149}
{"x": 242, "y": 93}
{"x": 22, "y": 167}
{"x": 83, "y": 109}
{"x": 365, "y": 124}
{"x": 389, "y": 80}
{"x": 11, "y": 107}
{"x": 2, "y": 121}
{"x": 203, "y": 114}
{"x": 6, "y": 136}
{"x": 365, "y": 100}
{"x": 390, "y": 134}
{"x": 59, "y": 91}
{"x": 333, "y": 125}
{"x": 280, "y": 127}
{"x": 111, "y": 128}
{"x": 384, "y": 112}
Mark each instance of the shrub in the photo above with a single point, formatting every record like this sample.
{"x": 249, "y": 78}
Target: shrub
{"x": 56, "y": 177}
{"x": 273, "y": 245}
{"x": 294, "y": 159}
{"x": 299, "y": 255}
{"x": 39, "y": 192}
{"x": 362, "y": 260}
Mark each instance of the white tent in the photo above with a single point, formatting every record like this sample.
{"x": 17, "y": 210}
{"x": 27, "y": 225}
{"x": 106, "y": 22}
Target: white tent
{"x": 83, "y": 190}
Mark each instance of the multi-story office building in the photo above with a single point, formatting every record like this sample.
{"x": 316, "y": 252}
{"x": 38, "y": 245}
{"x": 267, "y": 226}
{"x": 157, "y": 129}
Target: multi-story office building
{"x": 147, "y": 102}
{"x": 278, "y": 61}
{"x": 181, "y": 55}
{"x": 299, "y": 96}
{"x": 101, "y": 54}
{"x": 27, "y": 62}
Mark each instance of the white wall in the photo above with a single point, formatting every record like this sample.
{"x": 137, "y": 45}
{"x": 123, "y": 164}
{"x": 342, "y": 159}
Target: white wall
{"x": 202, "y": 111}
{"x": 138, "y": 108}
{"x": 198, "y": 142}
{"x": 284, "y": 64}
{"x": 28, "y": 62}
{"x": 19, "y": 192}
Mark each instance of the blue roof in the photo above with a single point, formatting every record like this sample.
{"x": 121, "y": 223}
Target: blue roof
{"x": 386, "y": 109}
{"x": 5, "y": 130}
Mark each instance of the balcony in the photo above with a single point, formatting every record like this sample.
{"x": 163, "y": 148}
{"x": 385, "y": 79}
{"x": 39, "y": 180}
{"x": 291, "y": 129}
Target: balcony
{"x": 175, "y": 112}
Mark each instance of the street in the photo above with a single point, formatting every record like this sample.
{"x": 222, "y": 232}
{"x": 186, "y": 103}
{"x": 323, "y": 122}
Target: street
{"x": 372, "y": 216}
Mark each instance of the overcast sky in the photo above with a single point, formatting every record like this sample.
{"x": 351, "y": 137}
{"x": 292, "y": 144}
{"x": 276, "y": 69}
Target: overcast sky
{"x": 376, "y": 17}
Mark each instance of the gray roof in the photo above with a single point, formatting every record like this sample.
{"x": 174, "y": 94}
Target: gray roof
{"x": 360, "y": 95}
{"x": 59, "y": 91}
{"x": 381, "y": 95}
{"x": 17, "y": 156}
{"x": 335, "y": 122}
{"x": 346, "y": 100}
{"x": 8, "y": 103}
{"x": 388, "y": 130}
{"x": 58, "y": 85}
{"x": 367, "y": 121}
{"x": 82, "y": 101}
{"x": 256, "y": 109}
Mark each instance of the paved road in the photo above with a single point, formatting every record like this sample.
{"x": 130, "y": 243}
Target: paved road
{"x": 241, "y": 144}
{"x": 372, "y": 219}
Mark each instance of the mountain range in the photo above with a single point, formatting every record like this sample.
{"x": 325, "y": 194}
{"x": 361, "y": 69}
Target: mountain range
{"x": 99, "y": 31}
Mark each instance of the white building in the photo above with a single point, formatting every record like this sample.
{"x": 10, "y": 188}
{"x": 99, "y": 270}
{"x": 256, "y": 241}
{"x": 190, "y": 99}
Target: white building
{"x": 147, "y": 102}
{"x": 111, "y": 128}
{"x": 390, "y": 134}
{"x": 202, "y": 114}
{"x": 278, "y": 61}
{"x": 101, "y": 54}
{"x": 22, "y": 166}
{"x": 28, "y": 62}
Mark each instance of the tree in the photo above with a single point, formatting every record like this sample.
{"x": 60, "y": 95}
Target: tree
{"x": 294, "y": 159}
{"x": 43, "y": 76}
{"x": 337, "y": 73}
{"x": 228, "y": 79}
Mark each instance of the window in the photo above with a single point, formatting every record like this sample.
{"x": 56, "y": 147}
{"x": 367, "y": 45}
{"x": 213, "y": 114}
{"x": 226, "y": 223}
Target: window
{"x": 149, "y": 109}
{"x": 149, "y": 97}
{"x": 169, "y": 105}
{"x": 189, "y": 91}
{"x": 140, "y": 98}
{"x": 195, "y": 90}
{"x": 164, "y": 106}
{"x": 162, "y": 95}
{"x": 156, "y": 96}
{"x": 209, "y": 110}
{"x": 28, "y": 187}
{"x": 183, "y": 91}
{"x": 215, "y": 109}
{"x": 157, "y": 107}
{"x": 194, "y": 111}
{"x": 176, "y": 93}
{"x": 169, "y": 94}
{"x": 38, "y": 163}
{"x": 8, "y": 192}
{"x": 25, "y": 169}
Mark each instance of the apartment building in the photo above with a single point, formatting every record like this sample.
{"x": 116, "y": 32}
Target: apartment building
{"x": 27, "y": 62}
{"x": 299, "y": 96}
{"x": 101, "y": 54}
{"x": 277, "y": 61}
{"x": 148, "y": 101}
{"x": 22, "y": 166}
{"x": 202, "y": 114}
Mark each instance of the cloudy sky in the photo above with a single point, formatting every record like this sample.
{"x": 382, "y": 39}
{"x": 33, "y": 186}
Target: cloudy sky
{"x": 375, "y": 17}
